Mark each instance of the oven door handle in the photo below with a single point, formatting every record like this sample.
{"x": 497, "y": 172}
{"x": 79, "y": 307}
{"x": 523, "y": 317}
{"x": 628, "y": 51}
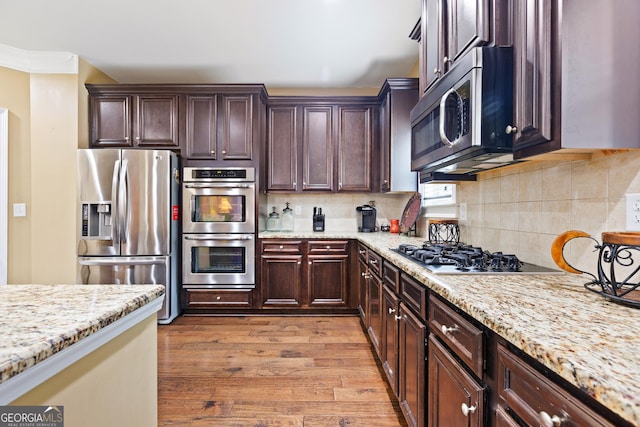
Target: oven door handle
{"x": 219, "y": 237}
{"x": 210, "y": 185}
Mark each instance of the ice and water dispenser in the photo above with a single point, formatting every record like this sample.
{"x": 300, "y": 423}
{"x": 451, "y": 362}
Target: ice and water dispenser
{"x": 96, "y": 221}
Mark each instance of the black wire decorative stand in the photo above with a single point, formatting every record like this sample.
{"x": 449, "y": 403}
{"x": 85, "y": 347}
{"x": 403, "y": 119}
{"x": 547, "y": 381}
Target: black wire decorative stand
{"x": 444, "y": 231}
{"x": 618, "y": 274}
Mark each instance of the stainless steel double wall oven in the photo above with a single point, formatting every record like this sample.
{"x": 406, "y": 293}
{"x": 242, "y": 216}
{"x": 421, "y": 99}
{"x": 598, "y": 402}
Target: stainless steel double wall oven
{"x": 218, "y": 230}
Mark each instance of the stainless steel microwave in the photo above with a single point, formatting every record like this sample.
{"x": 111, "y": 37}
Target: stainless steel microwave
{"x": 460, "y": 125}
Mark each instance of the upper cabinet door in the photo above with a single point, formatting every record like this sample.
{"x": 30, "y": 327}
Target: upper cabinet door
{"x": 469, "y": 26}
{"x": 237, "y": 127}
{"x": 434, "y": 29}
{"x": 282, "y": 148}
{"x": 532, "y": 53}
{"x": 156, "y": 123}
{"x": 202, "y": 119}
{"x": 110, "y": 121}
{"x": 317, "y": 148}
{"x": 355, "y": 145}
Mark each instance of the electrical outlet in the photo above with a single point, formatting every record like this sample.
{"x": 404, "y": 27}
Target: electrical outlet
{"x": 19, "y": 209}
{"x": 633, "y": 212}
{"x": 297, "y": 209}
{"x": 462, "y": 211}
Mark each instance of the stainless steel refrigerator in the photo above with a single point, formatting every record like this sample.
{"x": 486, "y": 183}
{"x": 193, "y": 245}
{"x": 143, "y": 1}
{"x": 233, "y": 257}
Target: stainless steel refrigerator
{"x": 129, "y": 220}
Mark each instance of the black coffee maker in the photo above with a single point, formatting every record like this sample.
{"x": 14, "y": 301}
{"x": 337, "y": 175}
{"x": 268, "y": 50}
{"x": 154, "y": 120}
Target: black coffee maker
{"x": 366, "y": 218}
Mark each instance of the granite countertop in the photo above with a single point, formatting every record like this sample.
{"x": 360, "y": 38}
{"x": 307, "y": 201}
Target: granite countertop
{"x": 39, "y": 321}
{"x": 587, "y": 340}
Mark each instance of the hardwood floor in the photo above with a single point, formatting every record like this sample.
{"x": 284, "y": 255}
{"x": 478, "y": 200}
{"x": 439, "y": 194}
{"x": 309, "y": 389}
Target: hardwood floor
{"x": 271, "y": 372}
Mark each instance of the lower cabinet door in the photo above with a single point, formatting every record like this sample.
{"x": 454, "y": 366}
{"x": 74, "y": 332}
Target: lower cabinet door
{"x": 455, "y": 397}
{"x": 412, "y": 367}
{"x": 389, "y": 344}
{"x": 327, "y": 280}
{"x": 281, "y": 280}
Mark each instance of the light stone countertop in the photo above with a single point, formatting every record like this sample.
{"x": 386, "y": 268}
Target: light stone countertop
{"x": 39, "y": 321}
{"x": 587, "y": 340}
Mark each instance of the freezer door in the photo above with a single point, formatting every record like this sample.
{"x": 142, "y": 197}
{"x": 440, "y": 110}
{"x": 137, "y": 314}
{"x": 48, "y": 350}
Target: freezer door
{"x": 146, "y": 186}
{"x": 97, "y": 187}
{"x": 131, "y": 271}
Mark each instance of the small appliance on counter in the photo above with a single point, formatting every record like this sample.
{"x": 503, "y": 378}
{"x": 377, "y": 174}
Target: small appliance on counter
{"x": 366, "y": 218}
{"x": 318, "y": 219}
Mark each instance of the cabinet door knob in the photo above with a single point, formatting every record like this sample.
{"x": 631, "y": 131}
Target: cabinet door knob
{"x": 310, "y": 263}
{"x": 218, "y": 298}
{"x": 373, "y": 262}
{"x": 511, "y": 129}
{"x": 436, "y": 71}
{"x": 547, "y": 420}
{"x": 392, "y": 310}
{"x": 466, "y": 410}
{"x": 224, "y": 151}
{"x": 445, "y": 330}
{"x": 299, "y": 262}
{"x": 213, "y": 152}
{"x": 137, "y": 138}
{"x": 126, "y": 138}
{"x": 446, "y": 60}
{"x": 361, "y": 252}
{"x": 398, "y": 317}
{"x": 328, "y": 247}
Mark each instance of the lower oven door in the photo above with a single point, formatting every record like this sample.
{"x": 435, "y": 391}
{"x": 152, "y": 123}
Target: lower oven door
{"x": 218, "y": 260}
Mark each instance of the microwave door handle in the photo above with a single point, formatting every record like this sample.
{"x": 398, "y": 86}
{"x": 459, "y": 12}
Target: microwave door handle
{"x": 115, "y": 187}
{"x": 443, "y": 135}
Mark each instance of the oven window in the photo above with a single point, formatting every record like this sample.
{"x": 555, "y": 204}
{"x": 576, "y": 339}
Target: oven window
{"x": 224, "y": 259}
{"x": 219, "y": 209}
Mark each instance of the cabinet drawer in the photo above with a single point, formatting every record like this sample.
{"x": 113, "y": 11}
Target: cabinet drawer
{"x": 362, "y": 252}
{"x": 529, "y": 394}
{"x": 216, "y": 298}
{"x": 282, "y": 246}
{"x": 414, "y": 294}
{"x": 374, "y": 261}
{"x": 464, "y": 339}
{"x": 328, "y": 246}
{"x": 391, "y": 276}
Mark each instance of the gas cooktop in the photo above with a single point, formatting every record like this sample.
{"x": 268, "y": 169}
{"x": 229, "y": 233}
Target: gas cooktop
{"x": 459, "y": 258}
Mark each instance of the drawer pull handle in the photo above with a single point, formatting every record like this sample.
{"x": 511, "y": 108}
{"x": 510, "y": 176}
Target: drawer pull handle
{"x": 281, "y": 247}
{"x": 547, "y": 420}
{"x": 466, "y": 410}
{"x": 361, "y": 252}
{"x": 218, "y": 298}
{"x": 392, "y": 310}
{"x": 366, "y": 275}
{"x": 445, "y": 330}
{"x": 328, "y": 247}
{"x": 373, "y": 261}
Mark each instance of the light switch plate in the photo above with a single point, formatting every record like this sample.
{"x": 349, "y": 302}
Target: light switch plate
{"x": 19, "y": 209}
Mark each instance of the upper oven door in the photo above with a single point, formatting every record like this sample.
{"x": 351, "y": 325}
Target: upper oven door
{"x": 210, "y": 207}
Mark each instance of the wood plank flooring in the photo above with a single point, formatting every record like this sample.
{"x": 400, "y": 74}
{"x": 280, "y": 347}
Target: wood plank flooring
{"x": 271, "y": 371}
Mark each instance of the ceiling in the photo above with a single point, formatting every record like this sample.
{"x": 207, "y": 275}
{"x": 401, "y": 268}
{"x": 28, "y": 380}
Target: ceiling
{"x": 281, "y": 43}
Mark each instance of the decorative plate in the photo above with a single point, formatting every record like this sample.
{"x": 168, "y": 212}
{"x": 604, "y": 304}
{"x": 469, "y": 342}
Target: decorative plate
{"x": 411, "y": 212}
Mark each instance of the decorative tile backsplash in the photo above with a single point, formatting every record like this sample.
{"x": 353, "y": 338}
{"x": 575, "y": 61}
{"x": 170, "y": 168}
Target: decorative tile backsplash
{"x": 339, "y": 209}
{"x": 522, "y": 208}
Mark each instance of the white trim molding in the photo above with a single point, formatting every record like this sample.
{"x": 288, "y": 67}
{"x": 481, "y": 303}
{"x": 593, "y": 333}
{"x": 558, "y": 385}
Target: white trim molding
{"x": 38, "y": 62}
{"x": 4, "y": 192}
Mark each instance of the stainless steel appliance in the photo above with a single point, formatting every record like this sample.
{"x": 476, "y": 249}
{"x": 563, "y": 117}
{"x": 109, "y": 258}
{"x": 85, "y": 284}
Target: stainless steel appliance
{"x": 366, "y": 218}
{"x": 460, "y": 125}
{"x": 129, "y": 220}
{"x": 218, "y": 200}
{"x": 218, "y": 240}
{"x": 459, "y": 258}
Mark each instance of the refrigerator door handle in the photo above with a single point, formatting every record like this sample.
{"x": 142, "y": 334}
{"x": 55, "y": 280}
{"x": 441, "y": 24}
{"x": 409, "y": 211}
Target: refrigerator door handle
{"x": 120, "y": 261}
{"x": 115, "y": 231}
{"x": 123, "y": 204}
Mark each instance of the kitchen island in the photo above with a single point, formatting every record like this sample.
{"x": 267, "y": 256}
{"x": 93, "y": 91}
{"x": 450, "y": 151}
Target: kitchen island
{"x": 585, "y": 339}
{"x": 91, "y": 349}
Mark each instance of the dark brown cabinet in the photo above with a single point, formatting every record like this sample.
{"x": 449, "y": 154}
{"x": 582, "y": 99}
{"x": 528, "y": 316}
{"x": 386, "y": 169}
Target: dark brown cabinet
{"x": 455, "y": 397}
{"x": 411, "y": 360}
{"x": 220, "y": 126}
{"x": 128, "y": 120}
{"x": 320, "y": 145}
{"x": 389, "y": 346}
{"x": 397, "y": 98}
{"x": 451, "y": 27}
{"x": 535, "y": 400}
{"x": 362, "y": 283}
{"x": 373, "y": 284}
{"x": 563, "y": 105}
{"x": 304, "y": 274}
